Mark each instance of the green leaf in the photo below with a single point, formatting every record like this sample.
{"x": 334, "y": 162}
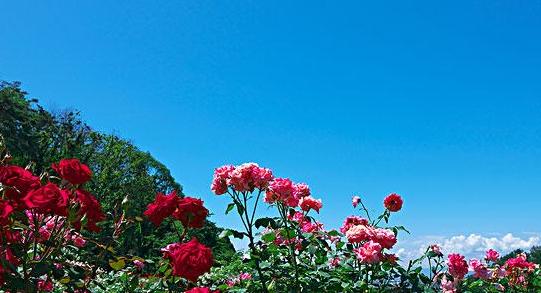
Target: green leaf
{"x": 288, "y": 233}
{"x": 265, "y": 222}
{"x": 118, "y": 264}
{"x": 333, "y": 233}
{"x": 269, "y": 237}
{"x": 229, "y": 208}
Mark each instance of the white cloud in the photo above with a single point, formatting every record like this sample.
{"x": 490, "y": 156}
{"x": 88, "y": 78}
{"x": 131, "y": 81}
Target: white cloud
{"x": 472, "y": 246}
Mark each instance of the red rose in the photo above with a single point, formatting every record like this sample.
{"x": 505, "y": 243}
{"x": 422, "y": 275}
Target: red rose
{"x": 90, "y": 207}
{"x": 19, "y": 179}
{"x": 5, "y": 210}
{"x": 73, "y": 171}
{"x": 201, "y": 290}
{"x": 393, "y": 202}
{"x": 162, "y": 207}
{"x": 189, "y": 260}
{"x": 191, "y": 212}
{"x": 48, "y": 199}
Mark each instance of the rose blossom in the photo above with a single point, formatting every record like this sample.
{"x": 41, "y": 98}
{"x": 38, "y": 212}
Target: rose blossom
{"x": 73, "y": 171}
{"x": 309, "y": 227}
{"x": 308, "y": 202}
{"x": 19, "y": 179}
{"x": 219, "y": 181}
{"x": 334, "y": 262}
{"x": 352, "y": 221}
{"x": 519, "y": 262}
{"x": 248, "y": 177}
{"x": 447, "y": 286}
{"x": 189, "y": 260}
{"x": 139, "y": 264}
{"x": 48, "y": 199}
{"x": 191, "y": 212}
{"x": 90, "y": 208}
{"x": 479, "y": 269}
{"x": 283, "y": 190}
{"x": 384, "y": 237}
{"x": 355, "y": 201}
{"x": 436, "y": 249}
{"x": 492, "y": 255}
{"x": 162, "y": 207}
{"x": 393, "y": 202}
{"x": 360, "y": 233}
{"x": 301, "y": 190}
{"x": 5, "y": 211}
{"x": 369, "y": 253}
{"x": 458, "y": 267}
{"x": 245, "y": 276}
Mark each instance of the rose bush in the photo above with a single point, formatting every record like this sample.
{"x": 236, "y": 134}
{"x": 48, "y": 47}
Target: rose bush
{"x": 48, "y": 219}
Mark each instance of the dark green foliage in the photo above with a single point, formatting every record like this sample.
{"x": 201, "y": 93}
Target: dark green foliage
{"x": 121, "y": 170}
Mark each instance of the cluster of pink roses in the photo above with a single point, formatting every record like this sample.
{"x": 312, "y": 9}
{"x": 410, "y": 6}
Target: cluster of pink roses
{"x": 249, "y": 177}
{"x": 244, "y": 178}
{"x": 370, "y": 241}
{"x": 51, "y": 225}
{"x": 515, "y": 269}
{"x": 238, "y": 279}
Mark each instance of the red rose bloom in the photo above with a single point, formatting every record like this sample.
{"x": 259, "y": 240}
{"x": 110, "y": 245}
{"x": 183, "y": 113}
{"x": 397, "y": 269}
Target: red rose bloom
{"x": 90, "y": 207}
{"x": 191, "y": 212}
{"x": 19, "y": 179}
{"x": 189, "y": 260}
{"x": 73, "y": 171}
{"x": 162, "y": 207}
{"x": 201, "y": 290}
{"x": 5, "y": 210}
{"x": 48, "y": 199}
{"x": 393, "y": 202}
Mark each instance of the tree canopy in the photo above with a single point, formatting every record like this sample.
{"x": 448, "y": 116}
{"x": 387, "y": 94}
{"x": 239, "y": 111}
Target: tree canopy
{"x": 36, "y": 136}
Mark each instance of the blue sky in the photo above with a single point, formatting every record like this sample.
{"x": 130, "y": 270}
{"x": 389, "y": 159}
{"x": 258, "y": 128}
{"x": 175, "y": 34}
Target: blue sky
{"x": 438, "y": 101}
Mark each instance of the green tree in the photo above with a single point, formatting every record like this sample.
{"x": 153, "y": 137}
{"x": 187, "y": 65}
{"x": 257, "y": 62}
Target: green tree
{"x": 120, "y": 169}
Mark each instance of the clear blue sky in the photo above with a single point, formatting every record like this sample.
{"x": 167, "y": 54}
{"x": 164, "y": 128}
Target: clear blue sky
{"x": 439, "y": 101}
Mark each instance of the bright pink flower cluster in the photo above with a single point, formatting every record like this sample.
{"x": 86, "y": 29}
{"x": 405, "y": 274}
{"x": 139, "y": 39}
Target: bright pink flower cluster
{"x": 308, "y": 203}
{"x": 517, "y": 268}
{"x": 243, "y": 178}
{"x": 519, "y": 262}
{"x": 305, "y": 223}
{"x": 361, "y": 233}
{"x": 352, "y": 221}
{"x": 492, "y": 255}
{"x": 480, "y": 270}
{"x": 369, "y": 252}
{"x": 238, "y": 279}
{"x": 458, "y": 267}
{"x": 282, "y": 190}
{"x": 51, "y": 224}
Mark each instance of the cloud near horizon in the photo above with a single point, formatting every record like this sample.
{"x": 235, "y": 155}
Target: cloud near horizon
{"x": 472, "y": 245}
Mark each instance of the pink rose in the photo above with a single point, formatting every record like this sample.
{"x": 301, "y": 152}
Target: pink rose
{"x": 355, "y": 201}
{"x": 307, "y": 203}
